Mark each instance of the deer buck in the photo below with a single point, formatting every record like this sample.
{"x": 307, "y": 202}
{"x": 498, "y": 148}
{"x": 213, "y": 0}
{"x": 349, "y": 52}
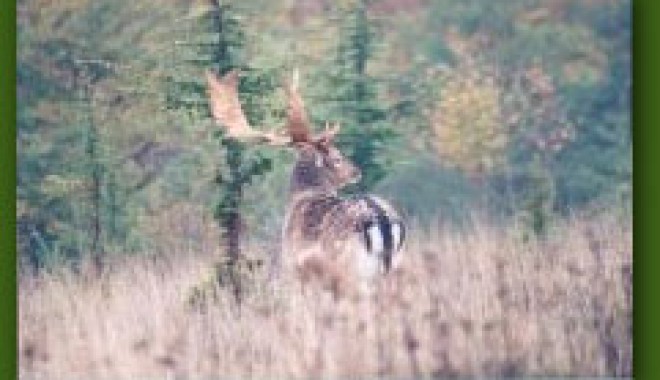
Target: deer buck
{"x": 343, "y": 242}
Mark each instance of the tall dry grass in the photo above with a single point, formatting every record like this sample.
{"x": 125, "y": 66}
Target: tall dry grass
{"x": 474, "y": 302}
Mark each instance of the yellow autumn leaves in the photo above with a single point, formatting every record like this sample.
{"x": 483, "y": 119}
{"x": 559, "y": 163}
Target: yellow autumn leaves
{"x": 468, "y": 120}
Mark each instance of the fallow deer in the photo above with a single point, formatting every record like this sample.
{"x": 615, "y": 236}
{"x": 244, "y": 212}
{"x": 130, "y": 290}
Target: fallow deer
{"x": 334, "y": 239}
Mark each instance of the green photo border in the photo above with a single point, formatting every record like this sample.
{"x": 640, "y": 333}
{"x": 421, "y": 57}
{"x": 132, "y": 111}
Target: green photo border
{"x": 8, "y": 331}
{"x": 646, "y": 128}
{"x": 646, "y": 123}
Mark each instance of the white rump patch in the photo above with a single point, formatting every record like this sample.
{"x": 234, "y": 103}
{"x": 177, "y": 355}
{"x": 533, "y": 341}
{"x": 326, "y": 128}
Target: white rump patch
{"x": 375, "y": 238}
{"x": 368, "y": 264}
{"x": 395, "y": 228}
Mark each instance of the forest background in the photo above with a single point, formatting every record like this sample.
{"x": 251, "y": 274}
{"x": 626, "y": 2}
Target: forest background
{"x": 520, "y": 109}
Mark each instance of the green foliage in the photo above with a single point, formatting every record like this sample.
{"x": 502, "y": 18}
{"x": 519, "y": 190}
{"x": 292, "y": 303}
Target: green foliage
{"x": 557, "y": 66}
{"x": 443, "y": 191}
{"x": 354, "y": 97}
{"x": 537, "y": 201}
{"x": 137, "y": 147}
{"x": 72, "y": 183}
{"x": 218, "y": 43}
{"x": 469, "y": 121}
{"x": 599, "y": 162}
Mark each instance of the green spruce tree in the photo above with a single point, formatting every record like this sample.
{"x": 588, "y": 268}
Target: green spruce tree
{"x": 354, "y": 95}
{"x": 218, "y": 45}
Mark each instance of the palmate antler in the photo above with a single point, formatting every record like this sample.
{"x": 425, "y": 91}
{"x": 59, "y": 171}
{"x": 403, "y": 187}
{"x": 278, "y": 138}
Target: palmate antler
{"x": 227, "y": 111}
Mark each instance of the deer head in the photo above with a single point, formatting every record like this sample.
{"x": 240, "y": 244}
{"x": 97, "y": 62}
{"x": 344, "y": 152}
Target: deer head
{"x": 320, "y": 165}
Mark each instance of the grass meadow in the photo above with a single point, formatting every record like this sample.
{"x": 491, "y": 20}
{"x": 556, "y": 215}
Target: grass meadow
{"x": 474, "y": 302}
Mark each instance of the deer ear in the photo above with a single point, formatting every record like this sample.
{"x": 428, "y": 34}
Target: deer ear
{"x": 327, "y": 137}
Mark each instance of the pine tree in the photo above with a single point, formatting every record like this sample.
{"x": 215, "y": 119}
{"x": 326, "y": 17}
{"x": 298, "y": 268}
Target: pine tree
{"x": 105, "y": 207}
{"x": 218, "y": 44}
{"x": 86, "y": 73}
{"x": 70, "y": 184}
{"x": 354, "y": 94}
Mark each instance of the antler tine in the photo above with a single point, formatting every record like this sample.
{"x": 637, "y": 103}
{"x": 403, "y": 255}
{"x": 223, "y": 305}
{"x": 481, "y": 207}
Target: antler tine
{"x": 297, "y": 123}
{"x": 332, "y": 129}
{"x": 329, "y": 133}
{"x": 227, "y": 111}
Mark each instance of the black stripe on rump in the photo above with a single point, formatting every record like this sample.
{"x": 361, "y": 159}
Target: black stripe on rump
{"x": 365, "y": 230}
{"x": 385, "y": 229}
